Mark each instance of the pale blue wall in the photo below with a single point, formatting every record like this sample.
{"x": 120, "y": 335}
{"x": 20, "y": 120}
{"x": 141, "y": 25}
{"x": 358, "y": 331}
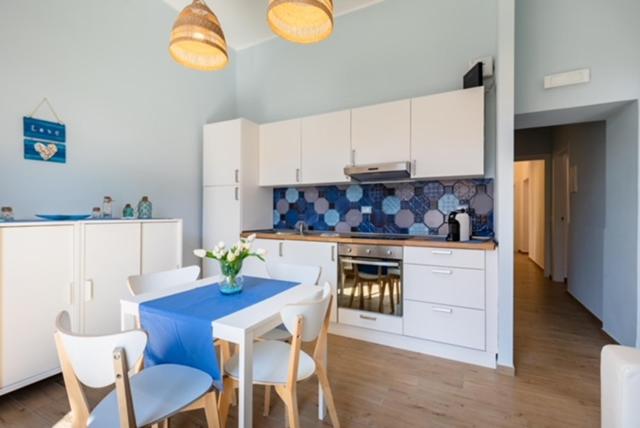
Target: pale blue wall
{"x": 133, "y": 116}
{"x": 393, "y": 50}
{"x": 621, "y": 227}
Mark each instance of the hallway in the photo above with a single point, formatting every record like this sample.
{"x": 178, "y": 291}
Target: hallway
{"x": 558, "y": 342}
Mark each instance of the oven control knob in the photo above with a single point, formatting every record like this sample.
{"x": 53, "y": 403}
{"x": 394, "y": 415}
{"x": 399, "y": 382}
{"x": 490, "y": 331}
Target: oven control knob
{"x": 389, "y": 252}
{"x": 368, "y": 251}
{"x": 349, "y": 250}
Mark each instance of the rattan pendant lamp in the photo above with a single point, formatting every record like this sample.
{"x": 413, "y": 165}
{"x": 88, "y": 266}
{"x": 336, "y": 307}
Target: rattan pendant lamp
{"x": 301, "y": 21}
{"x": 197, "y": 40}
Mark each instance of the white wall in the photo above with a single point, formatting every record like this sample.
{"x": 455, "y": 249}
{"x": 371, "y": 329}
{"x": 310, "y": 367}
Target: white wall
{"x": 133, "y": 116}
{"x": 530, "y": 221}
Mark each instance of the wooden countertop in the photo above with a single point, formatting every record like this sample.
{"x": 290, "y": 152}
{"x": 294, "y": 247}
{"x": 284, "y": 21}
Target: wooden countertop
{"x": 416, "y": 242}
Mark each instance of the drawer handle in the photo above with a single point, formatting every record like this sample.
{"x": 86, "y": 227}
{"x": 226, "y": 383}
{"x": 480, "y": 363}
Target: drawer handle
{"x": 443, "y": 310}
{"x": 442, "y": 252}
{"x": 442, "y": 271}
{"x": 364, "y": 317}
{"x": 88, "y": 290}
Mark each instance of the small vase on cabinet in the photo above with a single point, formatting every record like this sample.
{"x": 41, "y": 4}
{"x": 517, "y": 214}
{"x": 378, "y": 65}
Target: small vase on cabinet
{"x": 145, "y": 208}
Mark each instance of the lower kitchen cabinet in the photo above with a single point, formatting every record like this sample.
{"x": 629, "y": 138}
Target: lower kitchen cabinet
{"x": 37, "y": 270}
{"x": 81, "y": 267}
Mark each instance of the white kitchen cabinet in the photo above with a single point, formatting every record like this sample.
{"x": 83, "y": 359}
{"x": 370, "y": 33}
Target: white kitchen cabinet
{"x": 445, "y": 285}
{"x": 230, "y": 209}
{"x": 323, "y": 254}
{"x": 280, "y": 153}
{"x": 447, "y": 134}
{"x": 111, "y": 255}
{"x": 381, "y": 133}
{"x": 161, "y": 246}
{"x": 37, "y": 266}
{"x": 326, "y": 148}
{"x": 221, "y": 158}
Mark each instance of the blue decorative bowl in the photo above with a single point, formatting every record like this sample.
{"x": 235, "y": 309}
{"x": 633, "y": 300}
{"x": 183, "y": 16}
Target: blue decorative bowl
{"x": 63, "y": 217}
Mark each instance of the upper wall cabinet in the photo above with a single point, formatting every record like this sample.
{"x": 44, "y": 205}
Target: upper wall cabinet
{"x": 221, "y": 154}
{"x": 447, "y": 134}
{"x": 381, "y": 133}
{"x": 280, "y": 153}
{"x": 326, "y": 147}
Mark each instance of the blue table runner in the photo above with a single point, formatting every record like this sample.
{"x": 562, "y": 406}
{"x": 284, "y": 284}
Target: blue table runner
{"x": 179, "y": 325}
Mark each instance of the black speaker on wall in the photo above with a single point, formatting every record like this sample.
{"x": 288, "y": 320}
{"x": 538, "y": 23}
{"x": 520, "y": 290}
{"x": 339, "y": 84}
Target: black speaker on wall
{"x": 473, "y": 78}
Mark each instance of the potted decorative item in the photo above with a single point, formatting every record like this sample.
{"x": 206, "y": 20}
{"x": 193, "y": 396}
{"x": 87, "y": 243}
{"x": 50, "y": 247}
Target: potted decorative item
{"x": 6, "y": 214}
{"x": 231, "y": 260}
{"x": 144, "y": 208}
{"x": 96, "y": 213}
{"x": 107, "y": 207}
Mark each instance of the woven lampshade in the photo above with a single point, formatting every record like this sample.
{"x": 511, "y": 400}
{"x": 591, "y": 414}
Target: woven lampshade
{"x": 197, "y": 40}
{"x": 301, "y": 21}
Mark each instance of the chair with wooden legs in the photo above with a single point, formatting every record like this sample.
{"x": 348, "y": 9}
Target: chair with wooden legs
{"x": 140, "y": 284}
{"x": 283, "y": 365}
{"x": 146, "y": 398}
{"x": 294, "y": 273}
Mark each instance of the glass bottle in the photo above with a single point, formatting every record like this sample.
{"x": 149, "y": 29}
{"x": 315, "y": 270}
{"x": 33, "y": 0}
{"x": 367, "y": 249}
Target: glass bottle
{"x": 6, "y": 214}
{"x": 107, "y": 206}
{"x": 96, "y": 213}
{"x": 145, "y": 208}
{"x": 127, "y": 212}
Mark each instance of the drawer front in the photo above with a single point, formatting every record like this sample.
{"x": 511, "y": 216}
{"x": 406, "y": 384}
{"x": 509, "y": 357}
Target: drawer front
{"x": 472, "y": 259}
{"x": 370, "y": 320}
{"x": 445, "y": 324}
{"x": 444, "y": 285}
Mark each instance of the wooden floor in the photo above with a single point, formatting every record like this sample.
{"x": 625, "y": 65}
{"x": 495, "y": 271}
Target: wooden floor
{"x": 557, "y": 383}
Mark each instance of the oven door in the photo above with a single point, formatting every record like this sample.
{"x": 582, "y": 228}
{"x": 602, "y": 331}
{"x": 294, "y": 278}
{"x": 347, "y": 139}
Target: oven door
{"x": 371, "y": 285}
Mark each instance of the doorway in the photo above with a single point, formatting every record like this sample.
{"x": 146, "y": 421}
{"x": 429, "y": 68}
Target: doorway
{"x": 530, "y": 210}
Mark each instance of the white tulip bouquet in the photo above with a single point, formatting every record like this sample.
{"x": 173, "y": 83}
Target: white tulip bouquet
{"x": 231, "y": 260}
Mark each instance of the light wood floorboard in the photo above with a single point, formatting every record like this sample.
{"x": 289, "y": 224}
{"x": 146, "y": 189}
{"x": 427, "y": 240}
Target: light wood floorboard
{"x": 556, "y": 384}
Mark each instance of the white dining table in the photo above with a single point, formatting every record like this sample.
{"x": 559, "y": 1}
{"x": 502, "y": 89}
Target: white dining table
{"x": 241, "y": 327}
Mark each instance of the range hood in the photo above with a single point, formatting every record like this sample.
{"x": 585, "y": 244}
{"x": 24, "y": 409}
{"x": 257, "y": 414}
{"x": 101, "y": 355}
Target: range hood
{"x": 391, "y": 171}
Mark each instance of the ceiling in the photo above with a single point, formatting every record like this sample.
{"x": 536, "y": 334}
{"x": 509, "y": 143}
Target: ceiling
{"x": 244, "y": 21}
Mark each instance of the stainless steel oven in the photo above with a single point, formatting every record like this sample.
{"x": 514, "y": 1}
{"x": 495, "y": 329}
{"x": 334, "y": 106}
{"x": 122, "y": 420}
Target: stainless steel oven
{"x": 370, "y": 278}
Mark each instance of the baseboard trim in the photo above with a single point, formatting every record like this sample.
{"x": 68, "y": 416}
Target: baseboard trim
{"x": 506, "y": 370}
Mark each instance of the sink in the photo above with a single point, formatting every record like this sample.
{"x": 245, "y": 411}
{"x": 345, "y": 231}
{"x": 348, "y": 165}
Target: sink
{"x": 286, "y": 232}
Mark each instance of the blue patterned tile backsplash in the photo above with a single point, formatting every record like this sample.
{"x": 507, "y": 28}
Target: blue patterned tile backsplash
{"x": 418, "y": 208}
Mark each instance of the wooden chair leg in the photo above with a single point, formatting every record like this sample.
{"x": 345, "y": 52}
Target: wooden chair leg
{"x": 353, "y": 293}
{"x": 267, "y": 400}
{"x": 328, "y": 395}
{"x": 211, "y": 410}
{"x": 392, "y": 297}
{"x": 383, "y": 288}
{"x": 291, "y": 402}
{"x": 361, "y": 292}
{"x": 225, "y": 400}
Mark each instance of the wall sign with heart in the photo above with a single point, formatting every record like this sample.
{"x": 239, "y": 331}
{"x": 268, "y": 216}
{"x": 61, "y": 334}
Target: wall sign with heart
{"x": 45, "y": 140}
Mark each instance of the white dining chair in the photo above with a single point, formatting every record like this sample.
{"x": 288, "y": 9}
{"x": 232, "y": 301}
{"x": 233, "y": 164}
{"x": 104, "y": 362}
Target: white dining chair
{"x": 149, "y": 397}
{"x": 283, "y": 365}
{"x": 140, "y": 284}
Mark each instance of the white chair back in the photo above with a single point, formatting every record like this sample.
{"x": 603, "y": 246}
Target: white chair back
{"x": 91, "y": 357}
{"x": 294, "y": 273}
{"x": 140, "y": 284}
{"x": 312, "y": 312}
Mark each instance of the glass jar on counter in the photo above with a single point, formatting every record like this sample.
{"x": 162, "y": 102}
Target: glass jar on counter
{"x": 145, "y": 208}
{"x": 107, "y": 207}
{"x": 6, "y": 214}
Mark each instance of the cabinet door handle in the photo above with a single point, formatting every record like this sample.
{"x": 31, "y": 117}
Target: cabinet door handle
{"x": 236, "y": 176}
{"x": 333, "y": 253}
{"x": 442, "y": 271}
{"x": 297, "y": 175}
{"x": 353, "y": 157}
{"x": 414, "y": 166}
{"x": 237, "y": 196}
{"x": 442, "y": 252}
{"x": 443, "y": 310}
{"x": 364, "y": 317}
{"x": 280, "y": 249}
{"x": 88, "y": 290}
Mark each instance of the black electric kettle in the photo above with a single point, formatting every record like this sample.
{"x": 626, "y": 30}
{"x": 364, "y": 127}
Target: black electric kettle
{"x": 454, "y": 227}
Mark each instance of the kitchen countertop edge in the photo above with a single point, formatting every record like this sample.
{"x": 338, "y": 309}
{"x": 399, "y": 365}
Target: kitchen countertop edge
{"x": 486, "y": 245}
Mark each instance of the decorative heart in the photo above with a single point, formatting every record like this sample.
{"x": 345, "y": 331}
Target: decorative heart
{"x": 46, "y": 151}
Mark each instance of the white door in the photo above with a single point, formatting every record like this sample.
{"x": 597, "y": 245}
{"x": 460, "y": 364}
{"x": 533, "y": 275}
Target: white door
{"x": 447, "y": 134}
{"x": 111, "y": 255}
{"x": 257, "y": 268}
{"x": 221, "y": 221}
{"x": 161, "y": 246}
{"x": 321, "y": 254}
{"x": 526, "y": 208}
{"x": 381, "y": 133}
{"x": 561, "y": 213}
{"x": 326, "y": 148}
{"x": 280, "y": 153}
{"x": 36, "y": 279}
{"x": 221, "y": 153}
